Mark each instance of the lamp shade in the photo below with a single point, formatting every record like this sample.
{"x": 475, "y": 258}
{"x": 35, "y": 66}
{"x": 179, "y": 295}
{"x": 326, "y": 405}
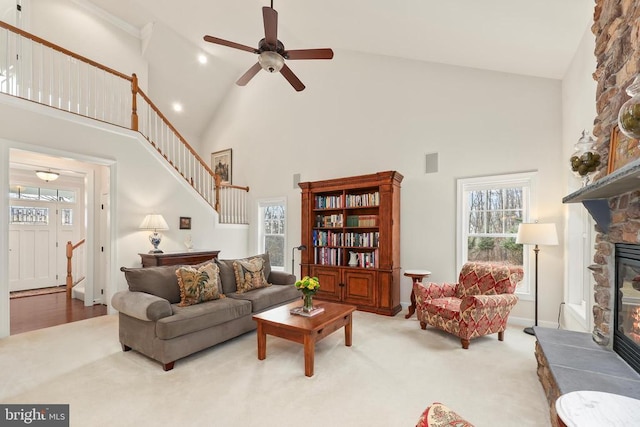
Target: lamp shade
{"x": 154, "y": 222}
{"x": 537, "y": 234}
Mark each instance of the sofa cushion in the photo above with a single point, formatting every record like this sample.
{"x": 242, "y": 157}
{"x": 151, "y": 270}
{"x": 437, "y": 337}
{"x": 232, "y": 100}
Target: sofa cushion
{"x": 198, "y": 284}
{"x": 228, "y": 275}
{"x": 158, "y": 281}
{"x": 249, "y": 275}
{"x": 262, "y": 299}
{"x": 201, "y": 316}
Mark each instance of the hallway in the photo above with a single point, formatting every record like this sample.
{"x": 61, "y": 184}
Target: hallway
{"x": 43, "y": 311}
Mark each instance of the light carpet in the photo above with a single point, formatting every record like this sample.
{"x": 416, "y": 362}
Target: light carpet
{"x": 393, "y": 371}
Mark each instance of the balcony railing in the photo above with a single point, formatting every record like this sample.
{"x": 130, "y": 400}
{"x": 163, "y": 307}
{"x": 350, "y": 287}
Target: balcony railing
{"x": 35, "y": 69}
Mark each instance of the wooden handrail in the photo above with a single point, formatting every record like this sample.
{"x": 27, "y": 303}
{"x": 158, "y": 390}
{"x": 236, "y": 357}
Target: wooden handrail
{"x": 62, "y": 50}
{"x": 219, "y": 185}
{"x": 174, "y": 130}
{"x": 175, "y": 149}
{"x": 70, "y": 248}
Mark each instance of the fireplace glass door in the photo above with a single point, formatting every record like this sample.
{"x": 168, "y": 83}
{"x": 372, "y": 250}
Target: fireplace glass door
{"x": 626, "y": 340}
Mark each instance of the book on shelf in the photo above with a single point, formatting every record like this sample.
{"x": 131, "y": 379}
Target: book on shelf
{"x": 328, "y": 202}
{"x": 300, "y": 311}
{"x": 368, "y": 259}
{"x": 329, "y": 221}
{"x": 363, "y": 200}
{"x": 327, "y": 256}
{"x": 362, "y": 220}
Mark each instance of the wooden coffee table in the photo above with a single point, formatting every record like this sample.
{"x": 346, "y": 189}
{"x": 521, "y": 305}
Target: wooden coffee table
{"x": 304, "y": 330}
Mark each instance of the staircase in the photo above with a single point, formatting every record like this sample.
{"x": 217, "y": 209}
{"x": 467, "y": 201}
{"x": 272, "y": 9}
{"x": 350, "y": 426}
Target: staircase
{"x": 34, "y": 69}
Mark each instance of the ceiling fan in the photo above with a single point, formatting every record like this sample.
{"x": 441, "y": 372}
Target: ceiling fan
{"x": 271, "y": 52}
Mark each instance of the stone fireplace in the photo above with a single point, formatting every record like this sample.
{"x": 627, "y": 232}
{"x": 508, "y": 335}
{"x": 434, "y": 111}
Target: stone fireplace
{"x": 613, "y": 200}
{"x": 617, "y": 32}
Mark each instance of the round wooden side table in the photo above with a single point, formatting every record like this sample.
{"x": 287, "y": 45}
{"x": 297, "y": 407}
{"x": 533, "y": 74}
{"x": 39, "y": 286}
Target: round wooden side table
{"x": 416, "y": 277}
{"x": 588, "y": 408}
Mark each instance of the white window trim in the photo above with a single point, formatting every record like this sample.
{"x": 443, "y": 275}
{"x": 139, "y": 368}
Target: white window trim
{"x": 527, "y": 180}
{"x": 262, "y": 203}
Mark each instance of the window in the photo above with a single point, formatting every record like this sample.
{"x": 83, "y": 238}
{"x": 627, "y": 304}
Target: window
{"x": 43, "y": 194}
{"x": 272, "y": 231}
{"x": 489, "y": 211}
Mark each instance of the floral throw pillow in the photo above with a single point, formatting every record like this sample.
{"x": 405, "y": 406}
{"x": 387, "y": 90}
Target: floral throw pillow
{"x": 198, "y": 284}
{"x": 249, "y": 274}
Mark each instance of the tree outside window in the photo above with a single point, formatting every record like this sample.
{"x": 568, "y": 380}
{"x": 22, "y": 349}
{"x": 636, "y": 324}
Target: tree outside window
{"x": 272, "y": 232}
{"x": 490, "y": 209}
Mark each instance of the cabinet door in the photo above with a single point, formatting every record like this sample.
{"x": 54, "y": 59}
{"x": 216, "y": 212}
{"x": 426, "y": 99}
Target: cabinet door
{"x": 360, "y": 287}
{"x": 329, "y": 278}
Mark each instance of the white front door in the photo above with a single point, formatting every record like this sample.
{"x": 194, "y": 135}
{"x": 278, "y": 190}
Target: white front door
{"x": 32, "y": 246}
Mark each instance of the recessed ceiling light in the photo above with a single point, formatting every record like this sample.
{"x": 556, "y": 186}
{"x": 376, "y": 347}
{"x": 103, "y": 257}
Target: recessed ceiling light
{"x": 202, "y": 58}
{"x": 177, "y": 107}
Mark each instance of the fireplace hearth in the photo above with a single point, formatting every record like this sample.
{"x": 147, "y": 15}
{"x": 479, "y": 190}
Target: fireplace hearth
{"x": 626, "y": 335}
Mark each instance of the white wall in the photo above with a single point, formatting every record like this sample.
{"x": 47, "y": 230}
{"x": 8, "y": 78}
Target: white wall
{"x": 364, "y": 113}
{"x": 578, "y": 114}
{"x": 64, "y": 23}
{"x": 141, "y": 182}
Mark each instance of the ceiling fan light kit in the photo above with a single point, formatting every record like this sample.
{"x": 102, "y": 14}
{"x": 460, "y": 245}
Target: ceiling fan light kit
{"x": 271, "y": 61}
{"x": 271, "y": 52}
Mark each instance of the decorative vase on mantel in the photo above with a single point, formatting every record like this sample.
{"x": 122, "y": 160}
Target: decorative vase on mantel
{"x": 629, "y": 114}
{"x": 585, "y": 160}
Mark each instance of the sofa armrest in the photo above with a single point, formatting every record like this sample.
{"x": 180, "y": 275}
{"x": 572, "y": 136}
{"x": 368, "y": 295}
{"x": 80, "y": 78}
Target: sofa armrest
{"x": 281, "y": 278}
{"x": 141, "y": 305}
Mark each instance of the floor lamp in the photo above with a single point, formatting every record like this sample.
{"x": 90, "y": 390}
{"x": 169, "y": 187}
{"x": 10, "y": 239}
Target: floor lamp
{"x": 536, "y": 234}
{"x": 293, "y": 256}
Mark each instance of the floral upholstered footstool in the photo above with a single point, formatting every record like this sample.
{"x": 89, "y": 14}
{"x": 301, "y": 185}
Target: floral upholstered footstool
{"x": 438, "y": 415}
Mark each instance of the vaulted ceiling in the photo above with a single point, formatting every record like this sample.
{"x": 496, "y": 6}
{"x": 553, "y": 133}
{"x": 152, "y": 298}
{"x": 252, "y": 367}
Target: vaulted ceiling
{"x": 529, "y": 37}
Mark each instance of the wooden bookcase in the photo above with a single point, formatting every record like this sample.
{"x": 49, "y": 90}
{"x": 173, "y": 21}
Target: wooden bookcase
{"x": 359, "y": 214}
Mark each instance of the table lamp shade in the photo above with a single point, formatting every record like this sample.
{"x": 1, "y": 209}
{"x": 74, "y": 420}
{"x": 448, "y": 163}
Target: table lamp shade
{"x": 154, "y": 222}
{"x": 537, "y": 234}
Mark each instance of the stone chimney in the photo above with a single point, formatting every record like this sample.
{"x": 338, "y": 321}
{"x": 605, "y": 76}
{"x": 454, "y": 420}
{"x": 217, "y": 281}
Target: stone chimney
{"x": 617, "y": 31}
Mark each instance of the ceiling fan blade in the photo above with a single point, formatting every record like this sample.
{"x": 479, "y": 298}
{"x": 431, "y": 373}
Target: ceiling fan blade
{"x": 270, "y": 17}
{"x": 291, "y": 78}
{"x": 251, "y": 72}
{"x": 227, "y": 43}
{"x": 308, "y": 54}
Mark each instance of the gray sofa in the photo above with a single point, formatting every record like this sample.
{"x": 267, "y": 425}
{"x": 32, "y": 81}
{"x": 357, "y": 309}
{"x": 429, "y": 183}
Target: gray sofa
{"x": 152, "y": 322}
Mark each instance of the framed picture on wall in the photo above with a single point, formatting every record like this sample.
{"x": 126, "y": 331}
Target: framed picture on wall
{"x": 221, "y": 164}
{"x": 622, "y": 150}
{"x": 185, "y": 223}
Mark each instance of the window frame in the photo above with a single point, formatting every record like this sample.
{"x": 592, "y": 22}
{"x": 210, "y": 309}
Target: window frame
{"x": 262, "y": 204}
{"x": 525, "y": 180}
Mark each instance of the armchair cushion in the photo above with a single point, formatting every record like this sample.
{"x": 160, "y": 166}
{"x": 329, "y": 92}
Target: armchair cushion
{"x": 447, "y": 307}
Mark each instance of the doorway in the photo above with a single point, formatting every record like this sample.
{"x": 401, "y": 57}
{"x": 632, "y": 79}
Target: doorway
{"x": 43, "y": 217}
{"x": 41, "y": 221}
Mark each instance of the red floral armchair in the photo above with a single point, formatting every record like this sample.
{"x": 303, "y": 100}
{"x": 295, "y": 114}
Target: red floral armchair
{"x": 479, "y": 304}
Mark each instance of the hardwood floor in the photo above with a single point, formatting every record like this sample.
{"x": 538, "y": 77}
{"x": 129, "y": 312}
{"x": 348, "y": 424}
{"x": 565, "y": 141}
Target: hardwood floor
{"x": 42, "y": 311}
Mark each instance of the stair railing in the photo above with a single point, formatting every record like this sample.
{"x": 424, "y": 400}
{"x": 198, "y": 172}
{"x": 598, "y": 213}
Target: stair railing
{"x": 70, "y": 248}
{"x": 35, "y": 69}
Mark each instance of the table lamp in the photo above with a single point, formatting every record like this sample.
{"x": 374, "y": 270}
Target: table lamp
{"x": 154, "y": 222}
